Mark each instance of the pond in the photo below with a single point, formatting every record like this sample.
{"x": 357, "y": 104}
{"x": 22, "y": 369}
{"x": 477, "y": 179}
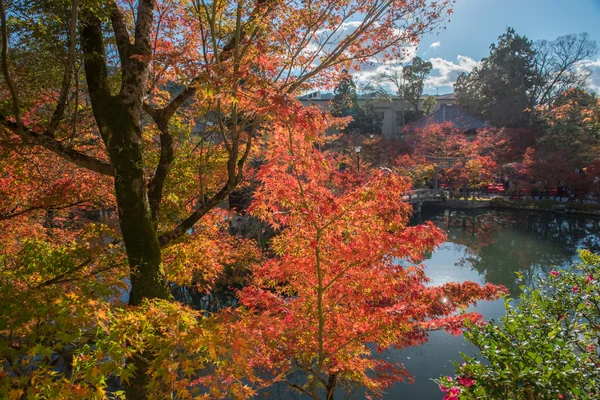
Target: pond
{"x": 484, "y": 246}
{"x": 488, "y": 246}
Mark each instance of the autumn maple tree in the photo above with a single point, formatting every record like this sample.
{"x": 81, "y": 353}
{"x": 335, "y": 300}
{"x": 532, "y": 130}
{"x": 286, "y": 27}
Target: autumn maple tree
{"x": 472, "y": 157}
{"x": 152, "y": 107}
{"x": 567, "y": 150}
{"x": 345, "y": 271}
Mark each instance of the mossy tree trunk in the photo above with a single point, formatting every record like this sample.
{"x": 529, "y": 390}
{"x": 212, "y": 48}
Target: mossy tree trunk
{"x": 119, "y": 119}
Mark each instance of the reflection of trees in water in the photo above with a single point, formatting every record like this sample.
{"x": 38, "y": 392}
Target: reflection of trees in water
{"x": 500, "y": 243}
{"x": 210, "y": 303}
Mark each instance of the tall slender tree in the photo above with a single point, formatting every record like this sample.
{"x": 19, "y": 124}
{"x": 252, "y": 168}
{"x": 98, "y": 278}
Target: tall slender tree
{"x": 345, "y": 100}
{"x": 503, "y": 81}
{"x": 414, "y": 76}
{"x": 365, "y": 120}
{"x": 429, "y": 105}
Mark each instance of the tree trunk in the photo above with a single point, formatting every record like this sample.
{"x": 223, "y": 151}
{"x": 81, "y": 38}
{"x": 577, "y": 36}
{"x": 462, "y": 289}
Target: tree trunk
{"x": 331, "y": 385}
{"x": 119, "y": 120}
{"x": 135, "y": 217}
{"x": 137, "y": 225}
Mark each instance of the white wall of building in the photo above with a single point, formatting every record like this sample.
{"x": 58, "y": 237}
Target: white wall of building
{"x": 390, "y": 108}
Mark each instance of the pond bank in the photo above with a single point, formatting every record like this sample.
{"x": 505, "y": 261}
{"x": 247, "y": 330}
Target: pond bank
{"x": 546, "y": 205}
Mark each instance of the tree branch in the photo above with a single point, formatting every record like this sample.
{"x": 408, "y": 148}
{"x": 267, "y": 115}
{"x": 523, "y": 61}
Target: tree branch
{"x": 167, "y": 155}
{"x": 167, "y": 238}
{"x": 226, "y": 52}
{"x": 156, "y": 184}
{"x": 190, "y": 91}
{"x": 64, "y": 278}
{"x": 14, "y": 214}
{"x": 68, "y": 72}
{"x": 50, "y": 143}
{"x": 234, "y": 177}
{"x": 94, "y": 49}
{"x": 135, "y": 67}
{"x": 162, "y": 117}
{"x": 121, "y": 33}
{"x": 143, "y": 27}
{"x": 95, "y": 60}
{"x": 5, "y": 71}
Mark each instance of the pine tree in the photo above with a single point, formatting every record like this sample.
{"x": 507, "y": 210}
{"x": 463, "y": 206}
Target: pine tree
{"x": 345, "y": 101}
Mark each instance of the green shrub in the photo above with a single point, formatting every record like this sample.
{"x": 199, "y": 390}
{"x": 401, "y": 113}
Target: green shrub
{"x": 546, "y": 203}
{"x": 546, "y": 347}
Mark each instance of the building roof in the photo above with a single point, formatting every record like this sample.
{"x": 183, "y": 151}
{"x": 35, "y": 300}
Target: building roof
{"x": 459, "y": 118}
{"x": 318, "y": 96}
{"x": 448, "y": 96}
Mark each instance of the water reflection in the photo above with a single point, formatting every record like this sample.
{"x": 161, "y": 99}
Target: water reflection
{"x": 497, "y": 244}
{"x": 209, "y": 303}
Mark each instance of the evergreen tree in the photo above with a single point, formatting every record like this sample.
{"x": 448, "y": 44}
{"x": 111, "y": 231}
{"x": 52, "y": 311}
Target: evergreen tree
{"x": 366, "y": 120}
{"x": 345, "y": 100}
{"x": 498, "y": 90}
{"x": 518, "y": 76}
{"x": 467, "y": 93}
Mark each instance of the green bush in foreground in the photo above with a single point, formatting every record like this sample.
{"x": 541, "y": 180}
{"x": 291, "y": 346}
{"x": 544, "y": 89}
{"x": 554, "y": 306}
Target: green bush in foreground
{"x": 546, "y": 347}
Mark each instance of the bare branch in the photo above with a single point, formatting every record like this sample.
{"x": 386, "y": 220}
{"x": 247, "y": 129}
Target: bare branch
{"x": 68, "y": 72}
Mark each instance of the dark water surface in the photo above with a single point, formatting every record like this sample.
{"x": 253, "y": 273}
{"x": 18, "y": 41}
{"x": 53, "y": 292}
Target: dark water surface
{"x": 484, "y": 246}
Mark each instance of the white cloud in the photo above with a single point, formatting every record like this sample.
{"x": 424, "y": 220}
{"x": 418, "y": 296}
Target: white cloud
{"x": 594, "y": 67}
{"x": 344, "y": 29}
{"x": 446, "y": 71}
{"x": 435, "y": 45}
{"x": 369, "y": 70}
{"x": 353, "y": 24}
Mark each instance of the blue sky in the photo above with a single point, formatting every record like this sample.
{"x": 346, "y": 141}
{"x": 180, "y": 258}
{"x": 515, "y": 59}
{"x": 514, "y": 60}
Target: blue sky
{"x": 476, "y": 24}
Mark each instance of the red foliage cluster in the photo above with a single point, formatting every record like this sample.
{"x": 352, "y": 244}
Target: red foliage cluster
{"x": 337, "y": 282}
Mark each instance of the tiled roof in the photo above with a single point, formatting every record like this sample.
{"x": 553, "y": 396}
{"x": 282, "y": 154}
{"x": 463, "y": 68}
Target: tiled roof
{"x": 460, "y": 119}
